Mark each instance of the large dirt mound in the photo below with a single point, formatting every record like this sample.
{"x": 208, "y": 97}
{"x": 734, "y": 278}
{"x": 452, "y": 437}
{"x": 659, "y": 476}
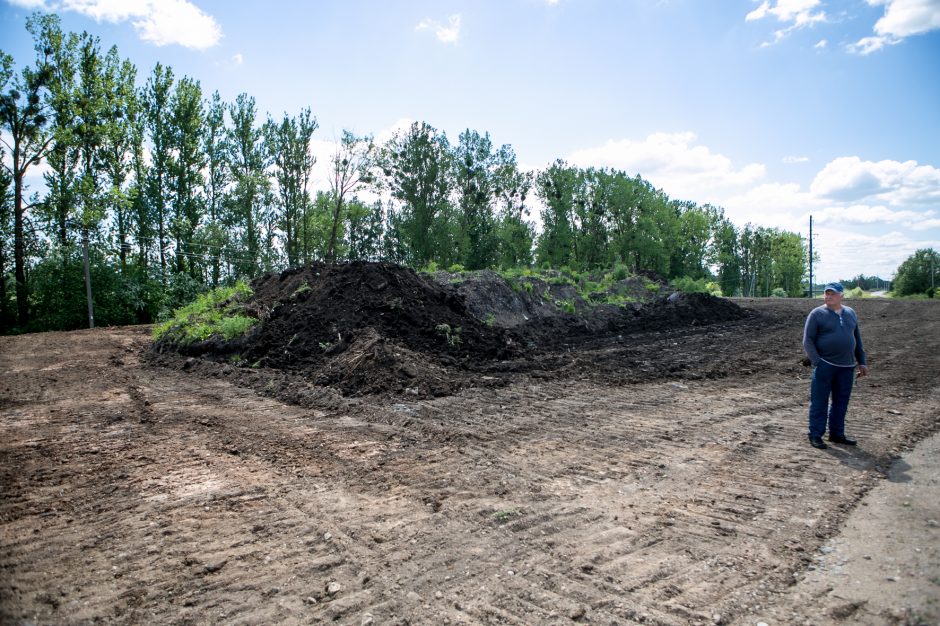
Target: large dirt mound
{"x": 360, "y": 327}
{"x": 365, "y": 328}
{"x": 320, "y": 310}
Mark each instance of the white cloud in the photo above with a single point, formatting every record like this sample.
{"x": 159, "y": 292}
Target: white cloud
{"x": 237, "y": 58}
{"x": 902, "y": 19}
{"x": 30, "y": 4}
{"x": 868, "y": 215}
{"x": 786, "y": 11}
{"x": 896, "y": 183}
{"x": 844, "y": 254}
{"x": 160, "y": 22}
{"x": 821, "y": 44}
{"x": 448, "y": 33}
{"x": 673, "y": 162}
{"x": 867, "y": 45}
{"x": 797, "y": 14}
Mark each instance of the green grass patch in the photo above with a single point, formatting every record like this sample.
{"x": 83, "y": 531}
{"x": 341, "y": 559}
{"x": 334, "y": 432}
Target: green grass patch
{"x": 506, "y": 514}
{"x": 219, "y": 312}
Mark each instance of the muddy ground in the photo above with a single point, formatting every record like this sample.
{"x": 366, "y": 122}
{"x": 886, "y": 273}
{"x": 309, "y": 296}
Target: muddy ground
{"x": 655, "y": 477}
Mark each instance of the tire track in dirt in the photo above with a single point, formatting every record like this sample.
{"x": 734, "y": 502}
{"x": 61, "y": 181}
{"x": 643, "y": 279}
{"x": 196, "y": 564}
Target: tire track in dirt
{"x": 136, "y": 494}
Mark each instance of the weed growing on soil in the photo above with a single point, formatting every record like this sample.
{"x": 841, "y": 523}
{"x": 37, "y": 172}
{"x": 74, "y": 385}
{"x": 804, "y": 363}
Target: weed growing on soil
{"x": 690, "y": 285}
{"x": 216, "y": 313}
{"x": 452, "y": 334}
{"x": 506, "y": 514}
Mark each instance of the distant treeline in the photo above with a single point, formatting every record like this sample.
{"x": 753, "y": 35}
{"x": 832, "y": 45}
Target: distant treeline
{"x": 169, "y": 192}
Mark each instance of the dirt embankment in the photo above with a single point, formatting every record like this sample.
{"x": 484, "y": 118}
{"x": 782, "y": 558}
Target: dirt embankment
{"x": 365, "y": 328}
{"x": 639, "y": 477}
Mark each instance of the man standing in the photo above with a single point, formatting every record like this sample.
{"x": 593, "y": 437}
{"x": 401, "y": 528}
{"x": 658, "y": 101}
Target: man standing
{"x": 833, "y": 344}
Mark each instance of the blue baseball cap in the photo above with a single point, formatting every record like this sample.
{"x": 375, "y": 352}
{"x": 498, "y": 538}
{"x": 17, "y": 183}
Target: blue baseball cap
{"x": 837, "y": 287}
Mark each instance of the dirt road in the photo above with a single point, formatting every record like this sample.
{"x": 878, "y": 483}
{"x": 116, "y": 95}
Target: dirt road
{"x": 662, "y": 478}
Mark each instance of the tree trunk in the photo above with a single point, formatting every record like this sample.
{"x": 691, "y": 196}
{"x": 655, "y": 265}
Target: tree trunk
{"x": 91, "y": 305}
{"x": 19, "y": 246}
{"x": 4, "y": 313}
{"x": 331, "y": 249}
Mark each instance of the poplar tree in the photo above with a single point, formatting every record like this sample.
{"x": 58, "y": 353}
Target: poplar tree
{"x": 288, "y": 145}
{"x": 158, "y": 94}
{"x": 213, "y": 236}
{"x": 186, "y": 120}
{"x": 556, "y": 187}
{"x": 247, "y": 162}
{"x": 118, "y": 152}
{"x": 24, "y": 120}
{"x": 352, "y": 166}
{"x": 62, "y": 159}
{"x": 474, "y": 174}
{"x": 416, "y": 165}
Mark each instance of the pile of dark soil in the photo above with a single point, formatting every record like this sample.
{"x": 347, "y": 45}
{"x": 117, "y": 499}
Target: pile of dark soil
{"x": 361, "y": 327}
{"x": 365, "y": 328}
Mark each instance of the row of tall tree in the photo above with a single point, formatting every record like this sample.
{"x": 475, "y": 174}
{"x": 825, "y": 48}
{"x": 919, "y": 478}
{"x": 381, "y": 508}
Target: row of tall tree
{"x": 167, "y": 191}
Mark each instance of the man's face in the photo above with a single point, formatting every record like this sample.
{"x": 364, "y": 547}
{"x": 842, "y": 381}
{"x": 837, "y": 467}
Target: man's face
{"x": 833, "y": 298}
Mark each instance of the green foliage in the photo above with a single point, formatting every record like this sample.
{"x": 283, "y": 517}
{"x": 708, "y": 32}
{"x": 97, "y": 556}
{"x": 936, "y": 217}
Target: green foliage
{"x": 58, "y": 298}
{"x": 855, "y": 292}
{"x": 219, "y": 312}
{"x": 619, "y": 299}
{"x": 451, "y": 334}
{"x": 506, "y": 514}
{"x": 567, "y": 306}
{"x": 868, "y": 283}
{"x": 687, "y": 284}
{"x": 175, "y": 193}
{"x": 778, "y": 292}
{"x": 456, "y": 268}
{"x": 918, "y": 273}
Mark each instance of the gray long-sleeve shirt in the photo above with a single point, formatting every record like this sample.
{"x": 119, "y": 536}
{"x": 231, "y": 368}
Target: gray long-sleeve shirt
{"x": 833, "y": 337}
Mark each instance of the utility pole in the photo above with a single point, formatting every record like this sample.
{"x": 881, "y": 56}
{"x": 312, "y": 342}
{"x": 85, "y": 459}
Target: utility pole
{"x": 91, "y": 306}
{"x": 811, "y": 292}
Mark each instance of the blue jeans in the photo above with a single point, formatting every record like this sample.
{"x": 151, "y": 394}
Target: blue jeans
{"x": 829, "y": 380}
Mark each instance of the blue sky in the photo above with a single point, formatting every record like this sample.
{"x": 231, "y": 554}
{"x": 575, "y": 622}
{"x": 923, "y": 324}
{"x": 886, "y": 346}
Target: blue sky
{"x": 772, "y": 109}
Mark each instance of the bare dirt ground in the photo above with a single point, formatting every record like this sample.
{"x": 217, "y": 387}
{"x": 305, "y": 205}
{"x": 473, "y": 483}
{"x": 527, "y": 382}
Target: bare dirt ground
{"x": 656, "y": 478}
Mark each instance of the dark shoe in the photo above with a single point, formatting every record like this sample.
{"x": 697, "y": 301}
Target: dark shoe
{"x": 845, "y": 441}
{"x": 818, "y": 443}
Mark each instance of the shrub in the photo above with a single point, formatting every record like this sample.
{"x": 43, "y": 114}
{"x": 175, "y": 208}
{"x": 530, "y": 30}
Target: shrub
{"x": 855, "y": 292}
{"x": 621, "y": 271}
{"x": 566, "y": 305}
{"x": 216, "y": 313}
{"x": 778, "y": 292}
{"x": 686, "y": 284}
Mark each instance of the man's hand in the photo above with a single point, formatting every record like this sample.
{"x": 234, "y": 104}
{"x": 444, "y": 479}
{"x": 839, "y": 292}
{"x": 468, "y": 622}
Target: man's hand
{"x": 862, "y": 371}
